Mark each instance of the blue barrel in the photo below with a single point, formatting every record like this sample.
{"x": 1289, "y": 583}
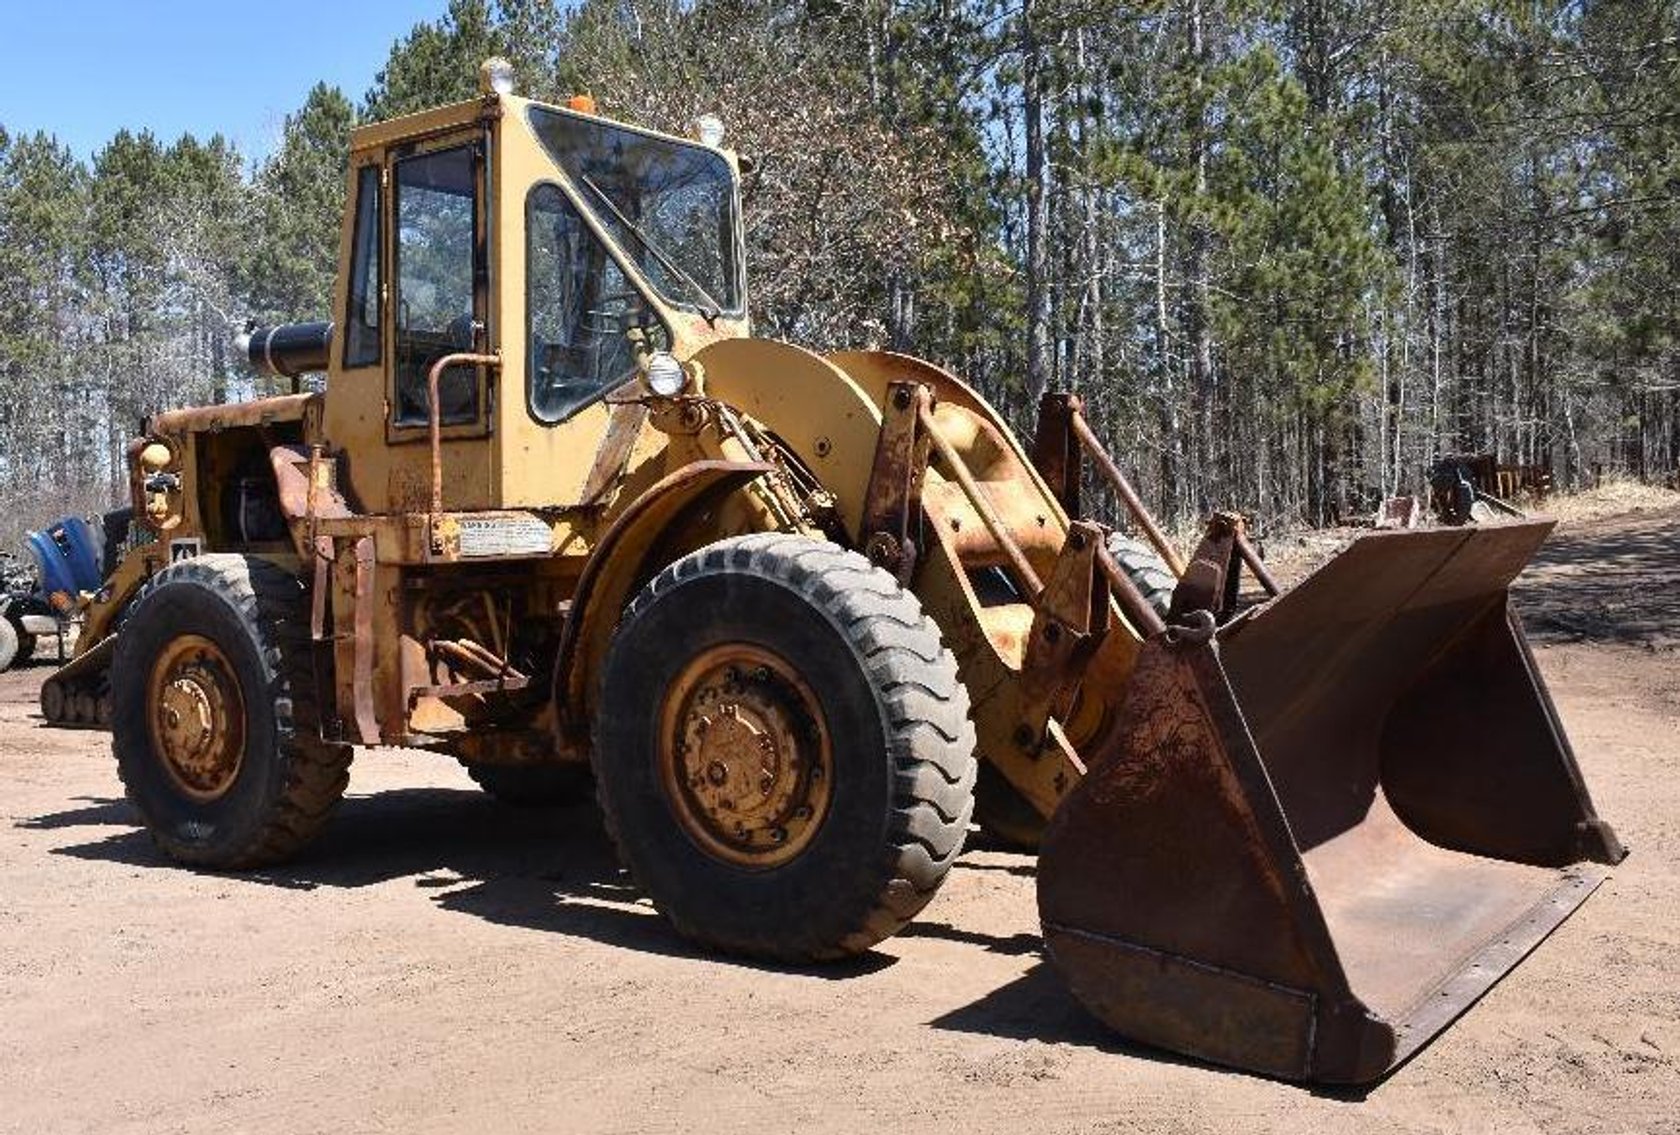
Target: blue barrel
{"x": 67, "y": 554}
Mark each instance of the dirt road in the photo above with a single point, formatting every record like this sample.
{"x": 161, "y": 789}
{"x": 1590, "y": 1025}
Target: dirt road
{"x": 439, "y": 963}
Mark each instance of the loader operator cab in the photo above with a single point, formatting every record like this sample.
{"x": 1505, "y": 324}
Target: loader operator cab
{"x": 439, "y": 259}
{"x": 569, "y": 247}
{"x": 582, "y": 311}
{"x": 668, "y": 207}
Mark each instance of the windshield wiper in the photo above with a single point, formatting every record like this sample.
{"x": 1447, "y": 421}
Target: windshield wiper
{"x": 710, "y": 308}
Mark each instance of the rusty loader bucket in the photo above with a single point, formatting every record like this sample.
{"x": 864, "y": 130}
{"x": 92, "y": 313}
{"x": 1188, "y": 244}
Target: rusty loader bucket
{"x": 1321, "y": 831}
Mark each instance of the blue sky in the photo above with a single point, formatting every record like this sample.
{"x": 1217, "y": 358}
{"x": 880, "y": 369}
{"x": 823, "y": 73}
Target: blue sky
{"x": 84, "y": 69}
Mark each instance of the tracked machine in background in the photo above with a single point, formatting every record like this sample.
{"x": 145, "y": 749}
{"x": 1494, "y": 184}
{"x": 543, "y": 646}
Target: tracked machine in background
{"x": 558, "y": 516}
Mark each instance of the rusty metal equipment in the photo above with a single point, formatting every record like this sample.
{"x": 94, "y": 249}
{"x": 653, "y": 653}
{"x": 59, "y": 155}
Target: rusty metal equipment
{"x": 1474, "y": 488}
{"x": 797, "y": 618}
{"x": 1346, "y": 814}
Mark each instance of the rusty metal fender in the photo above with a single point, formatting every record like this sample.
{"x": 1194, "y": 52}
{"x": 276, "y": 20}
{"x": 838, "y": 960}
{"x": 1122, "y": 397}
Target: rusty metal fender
{"x": 303, "y": 482}
{"x": 616, "y": 568}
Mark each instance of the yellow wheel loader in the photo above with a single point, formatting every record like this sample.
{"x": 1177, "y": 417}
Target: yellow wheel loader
{"x": 557, "y": 515}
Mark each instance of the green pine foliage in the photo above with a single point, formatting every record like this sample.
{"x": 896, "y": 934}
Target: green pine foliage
{"x": 297, "y": 196}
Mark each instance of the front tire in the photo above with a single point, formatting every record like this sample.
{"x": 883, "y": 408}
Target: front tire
{"x": 214, "y": 716}
{"x": 783, "y": 752}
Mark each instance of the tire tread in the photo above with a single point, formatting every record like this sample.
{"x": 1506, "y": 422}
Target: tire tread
{"x": 1144, "y": 567}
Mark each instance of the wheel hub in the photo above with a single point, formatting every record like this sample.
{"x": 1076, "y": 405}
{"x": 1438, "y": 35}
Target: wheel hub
{"x": 197, "y": 716}
{"x": 745, "y": 757}
{"x": 188, "y": 722}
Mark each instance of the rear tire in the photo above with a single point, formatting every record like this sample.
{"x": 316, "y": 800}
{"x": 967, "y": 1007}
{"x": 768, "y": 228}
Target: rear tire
{"x": 10, "y": 644}
{"x": 534, "y": 786}
{"x": 706, "y": 767}
{"x": 214, "y": 715}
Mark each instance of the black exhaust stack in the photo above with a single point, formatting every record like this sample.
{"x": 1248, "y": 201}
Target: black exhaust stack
{"x": 288, "y": 350}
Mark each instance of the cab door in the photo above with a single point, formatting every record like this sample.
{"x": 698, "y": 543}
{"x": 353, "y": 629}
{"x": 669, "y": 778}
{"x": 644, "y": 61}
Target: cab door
{"x": 416, "y": 287}
{"x": 440, "y": 295}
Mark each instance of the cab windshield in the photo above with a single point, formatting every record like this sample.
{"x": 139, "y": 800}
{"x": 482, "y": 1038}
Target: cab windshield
{"x": 669, "y": 205}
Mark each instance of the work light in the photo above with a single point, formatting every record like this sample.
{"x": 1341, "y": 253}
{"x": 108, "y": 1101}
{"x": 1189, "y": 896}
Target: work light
{"x": 665, "y": 375}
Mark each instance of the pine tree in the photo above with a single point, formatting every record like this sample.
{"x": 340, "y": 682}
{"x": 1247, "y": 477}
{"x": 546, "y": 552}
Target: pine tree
{"x": 298, "y": 204}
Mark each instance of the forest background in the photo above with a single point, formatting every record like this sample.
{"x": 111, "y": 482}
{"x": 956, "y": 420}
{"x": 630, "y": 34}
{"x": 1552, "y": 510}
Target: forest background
{"x": 1288, "y": 253}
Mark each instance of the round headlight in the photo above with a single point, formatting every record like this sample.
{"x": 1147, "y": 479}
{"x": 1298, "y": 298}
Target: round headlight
{"x": 155, "y": 457}
{"x": 665, "y": 375}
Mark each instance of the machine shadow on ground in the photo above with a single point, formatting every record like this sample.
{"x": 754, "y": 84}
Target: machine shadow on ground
{"x": 536, "y": 868}
{"x": 553, "y": 870}
{"x": 1606, "y": 587}
{"x": 1038, "y": 1007}
{"x": 547, "y": 869}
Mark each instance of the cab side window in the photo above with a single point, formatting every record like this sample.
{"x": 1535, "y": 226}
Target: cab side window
{"x": 361, "y": 321}
{"x": 581, "y": 310}
{"x": 436, "y": 244}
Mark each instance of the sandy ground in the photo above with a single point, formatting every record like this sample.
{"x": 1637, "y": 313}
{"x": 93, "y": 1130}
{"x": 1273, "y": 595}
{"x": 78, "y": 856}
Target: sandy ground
{"x": 439, "y": 963}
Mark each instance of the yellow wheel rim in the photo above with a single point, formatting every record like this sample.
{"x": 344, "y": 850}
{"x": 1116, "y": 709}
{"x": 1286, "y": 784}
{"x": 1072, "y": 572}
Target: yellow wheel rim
{"x": 197, "y": 717}
{"x": 745, "y": 756}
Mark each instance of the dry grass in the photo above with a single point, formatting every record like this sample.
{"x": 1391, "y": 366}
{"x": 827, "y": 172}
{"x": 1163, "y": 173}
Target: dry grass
{"x": 1291, "y": 552}
{"x": 1611, "y": 498}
